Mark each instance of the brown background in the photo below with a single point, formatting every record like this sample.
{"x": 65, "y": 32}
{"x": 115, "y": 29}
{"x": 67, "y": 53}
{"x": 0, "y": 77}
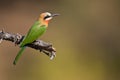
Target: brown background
{"x": 86, "y": 36}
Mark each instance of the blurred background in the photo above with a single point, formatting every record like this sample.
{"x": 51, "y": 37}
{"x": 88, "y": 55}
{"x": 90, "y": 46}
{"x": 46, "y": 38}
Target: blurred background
{"x": 86, "y": 36}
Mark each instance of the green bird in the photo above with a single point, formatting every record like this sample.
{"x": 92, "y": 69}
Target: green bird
{"x": 37, "y": 30}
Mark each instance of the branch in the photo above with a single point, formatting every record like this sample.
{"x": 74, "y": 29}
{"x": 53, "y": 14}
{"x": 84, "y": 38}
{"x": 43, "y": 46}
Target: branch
{"x": 38, "y": 44}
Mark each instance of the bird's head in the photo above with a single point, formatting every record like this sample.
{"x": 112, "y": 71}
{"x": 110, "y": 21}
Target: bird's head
{"x": 46, "y": 17}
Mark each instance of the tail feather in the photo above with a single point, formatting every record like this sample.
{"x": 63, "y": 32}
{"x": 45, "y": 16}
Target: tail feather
{"x": 18, "y": 55}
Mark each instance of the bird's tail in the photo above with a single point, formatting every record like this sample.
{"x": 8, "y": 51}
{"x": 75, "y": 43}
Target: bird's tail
{"x": 18, "y": 55}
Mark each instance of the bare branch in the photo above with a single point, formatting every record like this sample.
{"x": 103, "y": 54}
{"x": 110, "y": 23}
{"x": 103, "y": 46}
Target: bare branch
{"x": 38, "y": 44}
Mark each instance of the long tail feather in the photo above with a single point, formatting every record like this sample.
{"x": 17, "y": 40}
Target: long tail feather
{"x": 18, "y": 55}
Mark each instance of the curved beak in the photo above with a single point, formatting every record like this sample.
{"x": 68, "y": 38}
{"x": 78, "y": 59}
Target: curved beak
{"x": 55, "y": 15}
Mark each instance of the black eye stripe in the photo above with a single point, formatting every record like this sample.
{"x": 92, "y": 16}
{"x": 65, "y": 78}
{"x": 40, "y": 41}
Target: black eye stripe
{"x": 46, "y": 17}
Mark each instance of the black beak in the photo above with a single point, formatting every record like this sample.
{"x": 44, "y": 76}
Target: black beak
{"x": 55, "y": 15}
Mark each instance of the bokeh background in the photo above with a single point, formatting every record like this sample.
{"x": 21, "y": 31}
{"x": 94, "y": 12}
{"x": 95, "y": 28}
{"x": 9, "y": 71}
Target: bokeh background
{"x": 86, "y": 36}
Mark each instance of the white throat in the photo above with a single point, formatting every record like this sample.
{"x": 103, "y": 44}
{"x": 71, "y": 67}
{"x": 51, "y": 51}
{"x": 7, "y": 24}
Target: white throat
{"x": 47, "y": 19}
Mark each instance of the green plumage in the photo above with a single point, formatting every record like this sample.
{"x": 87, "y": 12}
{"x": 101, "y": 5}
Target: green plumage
{"x": 18, "y": 55}
{"x": 34, "y": 33}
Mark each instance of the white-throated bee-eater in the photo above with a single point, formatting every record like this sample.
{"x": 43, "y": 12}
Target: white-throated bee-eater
{"x": 37, "y": 29}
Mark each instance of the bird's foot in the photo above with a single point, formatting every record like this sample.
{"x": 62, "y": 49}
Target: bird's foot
{"x": 17, "y": 39}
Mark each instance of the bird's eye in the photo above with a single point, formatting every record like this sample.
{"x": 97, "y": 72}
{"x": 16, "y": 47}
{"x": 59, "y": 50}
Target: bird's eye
{"x": 46, "y": 17}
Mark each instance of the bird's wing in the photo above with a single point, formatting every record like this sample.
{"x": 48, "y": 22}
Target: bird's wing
{"x": 35, "y": 31}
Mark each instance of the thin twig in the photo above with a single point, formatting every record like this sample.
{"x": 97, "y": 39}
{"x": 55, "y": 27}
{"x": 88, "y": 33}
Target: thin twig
{"x": 38, "y": 44}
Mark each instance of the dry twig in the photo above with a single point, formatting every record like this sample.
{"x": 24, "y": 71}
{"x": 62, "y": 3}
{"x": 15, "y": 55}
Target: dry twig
{"x": 38, "y": 44}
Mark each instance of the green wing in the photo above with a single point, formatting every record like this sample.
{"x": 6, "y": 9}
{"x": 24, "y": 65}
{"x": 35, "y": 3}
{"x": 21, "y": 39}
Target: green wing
{"x": 34, "y": 33}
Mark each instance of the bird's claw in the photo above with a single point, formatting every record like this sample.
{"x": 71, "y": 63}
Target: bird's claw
{"x": 17, "y": 38}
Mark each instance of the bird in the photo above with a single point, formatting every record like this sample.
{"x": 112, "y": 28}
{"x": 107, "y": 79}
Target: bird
{"x": 36, "y": 31}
